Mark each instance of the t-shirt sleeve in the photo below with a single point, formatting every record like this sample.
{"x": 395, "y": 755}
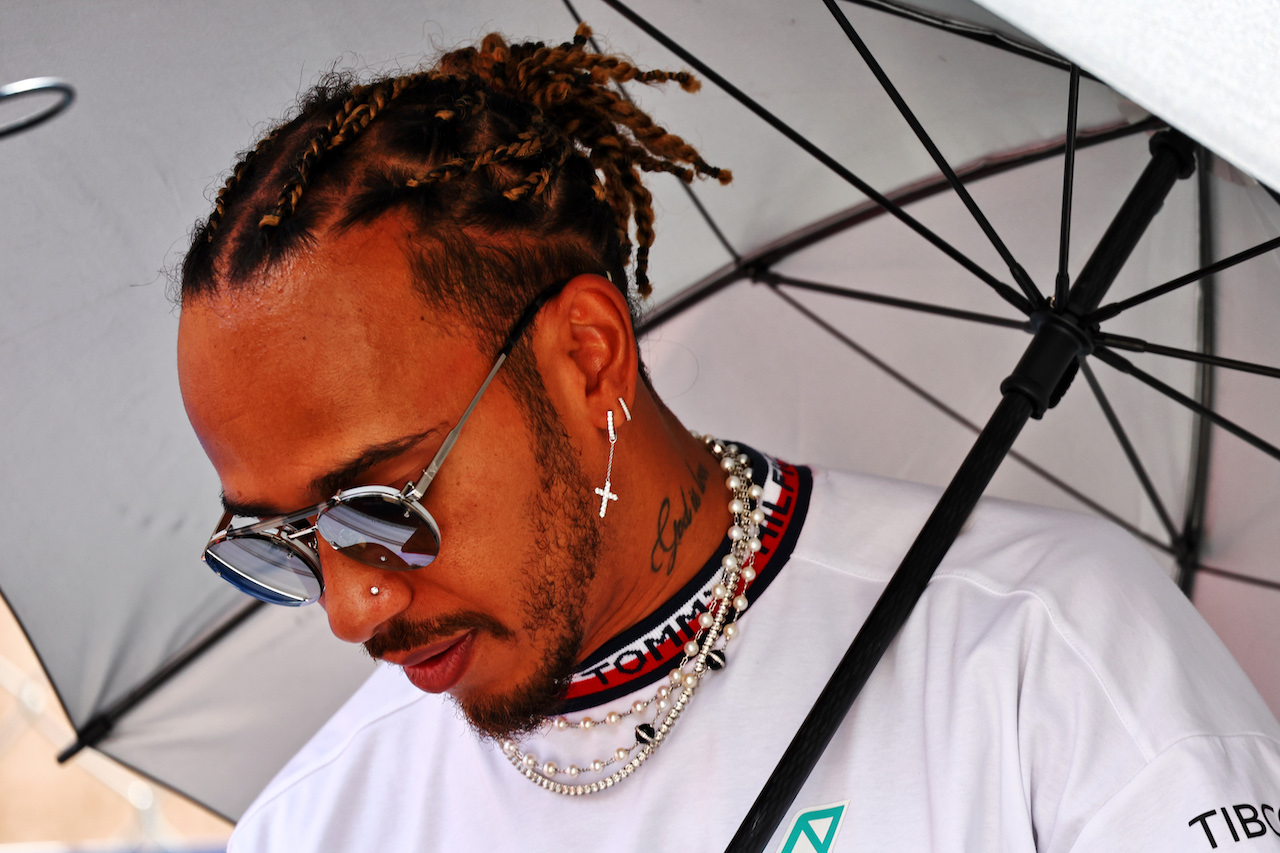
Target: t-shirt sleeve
{"x": 1203, "y": 793}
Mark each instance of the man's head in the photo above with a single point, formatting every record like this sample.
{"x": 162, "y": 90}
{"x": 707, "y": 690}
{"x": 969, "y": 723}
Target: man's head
{"x": 346, "y": 299}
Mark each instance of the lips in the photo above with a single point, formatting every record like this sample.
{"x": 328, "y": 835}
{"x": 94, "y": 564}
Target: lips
{"x": 439, "y": 666}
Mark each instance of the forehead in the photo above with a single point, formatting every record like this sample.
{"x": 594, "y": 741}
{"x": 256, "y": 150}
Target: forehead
{"x": 333, "y": 353}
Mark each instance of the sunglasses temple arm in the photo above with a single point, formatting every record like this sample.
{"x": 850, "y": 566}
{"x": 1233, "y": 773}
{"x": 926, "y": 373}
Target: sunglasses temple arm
{"x": 223, "y": 524}
{"x": 526, "y": 318}
{"x": 429, "y": 474}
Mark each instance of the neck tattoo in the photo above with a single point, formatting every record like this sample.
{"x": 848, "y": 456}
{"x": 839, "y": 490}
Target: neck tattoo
{"x": 703, "y": 654}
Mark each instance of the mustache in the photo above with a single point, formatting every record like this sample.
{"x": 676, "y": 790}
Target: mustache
{"x": 403, "y": 635}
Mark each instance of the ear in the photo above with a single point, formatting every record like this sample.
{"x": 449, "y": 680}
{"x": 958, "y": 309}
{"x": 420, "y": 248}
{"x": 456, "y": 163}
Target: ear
{"x": 586, "y": 350}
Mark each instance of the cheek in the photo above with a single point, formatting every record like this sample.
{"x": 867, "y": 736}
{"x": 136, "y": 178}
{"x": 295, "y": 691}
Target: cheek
{"x": 485, "y": 530}
{"x": 481, "y": 498}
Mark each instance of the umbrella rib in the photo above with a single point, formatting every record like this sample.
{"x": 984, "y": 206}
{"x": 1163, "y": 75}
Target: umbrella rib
{"x": 1008, "y": 293}
{"x": 1192, "y": 539}
{"x": 688, "y": 190}
{"x": 1106, "y": 312}
{"x": 1129, "y": 450}
{"x": 711, "y": 223}
{"x": 840, "y": 222}
{"x": 768, "y": 277}
{"x": 1249, "y": 579}
{"x": 983, "y": 167}
{"x": 1125, "y": 366}
{"x": 1015, "y": 269}
{"x": 1129, "y": 344}
{"x": 970, "y": 425}
{"x": 1062, "y": 284}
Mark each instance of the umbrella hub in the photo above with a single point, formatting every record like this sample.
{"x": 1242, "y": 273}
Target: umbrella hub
{"x": 1050, "y": 362}
{"x": 1060, "y": 337}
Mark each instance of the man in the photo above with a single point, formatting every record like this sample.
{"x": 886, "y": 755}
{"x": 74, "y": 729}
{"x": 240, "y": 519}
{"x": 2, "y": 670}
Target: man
{"x": 407, "y": 347}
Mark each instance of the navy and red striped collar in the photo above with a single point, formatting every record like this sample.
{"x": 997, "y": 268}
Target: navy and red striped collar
{"x": 646, "y": 652}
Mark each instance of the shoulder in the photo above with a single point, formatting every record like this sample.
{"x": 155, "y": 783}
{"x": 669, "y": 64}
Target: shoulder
{"x": 863, "y": 524}
{"x": 1072, "y": 581}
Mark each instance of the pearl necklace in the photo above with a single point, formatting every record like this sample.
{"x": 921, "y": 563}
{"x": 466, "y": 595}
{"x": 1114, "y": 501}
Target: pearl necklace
{"x": 719, "y": 621}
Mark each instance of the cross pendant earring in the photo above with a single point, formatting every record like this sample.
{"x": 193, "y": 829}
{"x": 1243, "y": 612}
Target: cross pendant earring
{"x": 605, "y": 494}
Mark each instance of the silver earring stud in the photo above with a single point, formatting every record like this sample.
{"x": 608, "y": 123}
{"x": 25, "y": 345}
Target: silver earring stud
{"x": 625, "y": 410}
{"x": 373, "y": 590}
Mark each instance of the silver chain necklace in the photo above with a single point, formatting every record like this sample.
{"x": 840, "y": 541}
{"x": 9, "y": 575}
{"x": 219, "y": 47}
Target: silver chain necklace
{"x": 703, "y": 654}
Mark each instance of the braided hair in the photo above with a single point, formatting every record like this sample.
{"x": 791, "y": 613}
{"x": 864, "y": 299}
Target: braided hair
{"x": 516, "y": 165}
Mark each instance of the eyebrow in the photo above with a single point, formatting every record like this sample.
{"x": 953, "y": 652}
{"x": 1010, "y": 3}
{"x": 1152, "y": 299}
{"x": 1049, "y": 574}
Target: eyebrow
{"x": 343, "y": 476}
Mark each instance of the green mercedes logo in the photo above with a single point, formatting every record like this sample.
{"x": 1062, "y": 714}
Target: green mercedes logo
{"x": 814, "y": 830}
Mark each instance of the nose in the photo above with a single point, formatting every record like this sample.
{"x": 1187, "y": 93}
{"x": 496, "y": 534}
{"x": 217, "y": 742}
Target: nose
{"x": 359, "y": 598}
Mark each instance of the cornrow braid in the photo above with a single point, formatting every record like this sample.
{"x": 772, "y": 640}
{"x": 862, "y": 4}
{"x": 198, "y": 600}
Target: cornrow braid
{"x": 237, "y": 174}
{"x": 220, "y": 201}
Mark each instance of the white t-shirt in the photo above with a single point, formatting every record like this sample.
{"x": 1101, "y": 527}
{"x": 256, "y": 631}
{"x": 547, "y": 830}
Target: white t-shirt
{"x": 1051, "y": 691}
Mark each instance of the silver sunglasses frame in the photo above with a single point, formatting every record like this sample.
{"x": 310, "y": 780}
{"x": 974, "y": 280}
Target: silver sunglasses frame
{"x": 276, "y": 529}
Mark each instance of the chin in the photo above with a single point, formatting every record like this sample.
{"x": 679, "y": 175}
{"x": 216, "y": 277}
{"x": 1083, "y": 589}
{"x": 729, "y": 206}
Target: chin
{"x": 511, "y": 711}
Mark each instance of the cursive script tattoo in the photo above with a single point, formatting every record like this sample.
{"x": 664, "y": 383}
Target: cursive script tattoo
{"x": 671, "y": 530}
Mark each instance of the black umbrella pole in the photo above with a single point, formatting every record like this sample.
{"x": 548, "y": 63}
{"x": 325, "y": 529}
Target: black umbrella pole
{"x": 1036, "y": 384}
{"x": 1173, "y": 157}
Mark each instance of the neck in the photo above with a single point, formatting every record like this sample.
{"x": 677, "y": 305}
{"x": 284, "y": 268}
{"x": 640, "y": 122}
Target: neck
{"x": 674, "y": 518}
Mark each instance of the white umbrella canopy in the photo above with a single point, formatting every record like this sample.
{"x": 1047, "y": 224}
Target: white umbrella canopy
{"x": 1208, "y": 68}
{"x": 107, "y": 497}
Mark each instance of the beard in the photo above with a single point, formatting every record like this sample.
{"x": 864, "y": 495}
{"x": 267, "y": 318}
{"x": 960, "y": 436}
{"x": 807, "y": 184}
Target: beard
{"x": 555, "y": 574}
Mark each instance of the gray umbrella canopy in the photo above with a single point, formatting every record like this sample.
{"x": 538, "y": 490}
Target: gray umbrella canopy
{"x": 108, "y": 498}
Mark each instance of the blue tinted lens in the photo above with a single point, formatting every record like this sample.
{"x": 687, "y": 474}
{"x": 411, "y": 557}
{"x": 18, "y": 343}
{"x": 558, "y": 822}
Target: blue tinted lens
{"x": 266, "y": 569}
{"x": 381, "y": 531}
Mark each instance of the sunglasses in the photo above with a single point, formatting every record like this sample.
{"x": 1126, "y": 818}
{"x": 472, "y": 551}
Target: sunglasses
{"x": 277, "y": 559}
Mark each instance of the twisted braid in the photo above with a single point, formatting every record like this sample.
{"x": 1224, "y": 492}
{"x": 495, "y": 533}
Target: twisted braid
{"x": 539, "y": 180}
{"x": 528, "y": 146}
{"x": 352, "y": 117}
{"x": 642, "y": 202}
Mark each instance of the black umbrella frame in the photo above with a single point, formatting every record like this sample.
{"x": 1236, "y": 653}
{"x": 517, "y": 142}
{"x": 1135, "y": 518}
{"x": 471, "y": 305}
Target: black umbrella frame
{"x": 1065, "y": 330}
